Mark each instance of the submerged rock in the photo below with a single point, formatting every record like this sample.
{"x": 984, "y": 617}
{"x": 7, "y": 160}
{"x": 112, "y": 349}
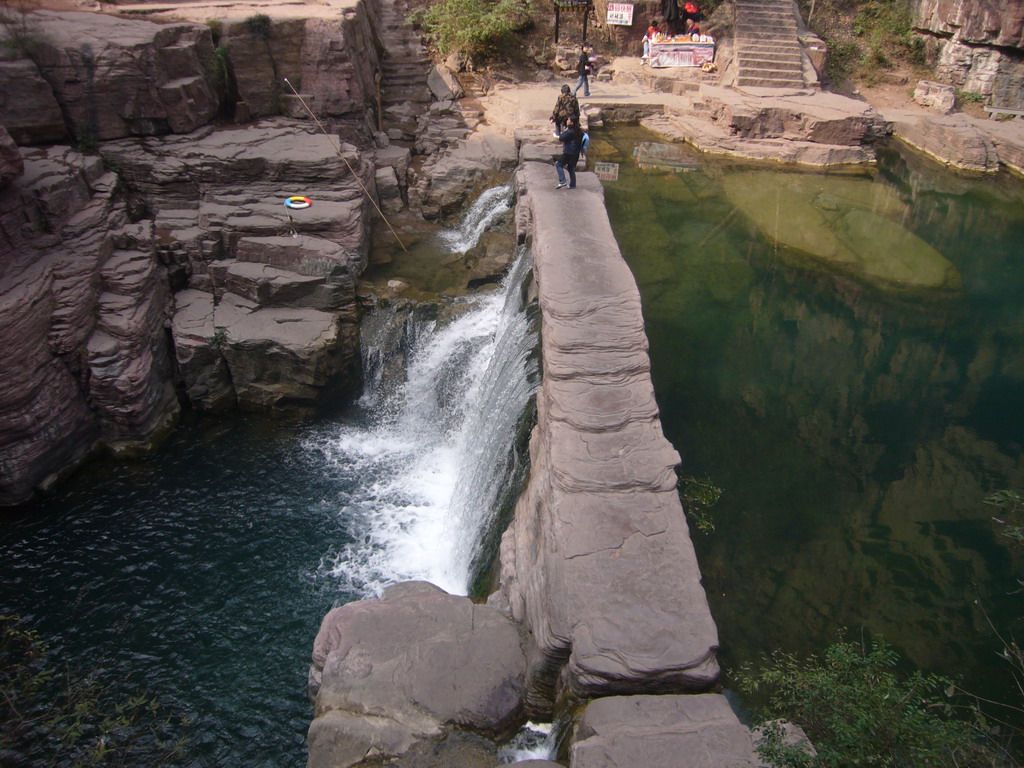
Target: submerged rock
{"x": 852, "y": 229}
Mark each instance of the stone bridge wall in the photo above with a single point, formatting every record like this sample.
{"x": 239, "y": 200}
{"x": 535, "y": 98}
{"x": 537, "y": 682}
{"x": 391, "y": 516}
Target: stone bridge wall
{"x": 600, "y": 607}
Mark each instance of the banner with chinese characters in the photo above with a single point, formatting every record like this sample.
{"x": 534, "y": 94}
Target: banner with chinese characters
{"x": 607, "y": 171}
{"x": 689, "y": 54}
{"x": 620, "y": 13}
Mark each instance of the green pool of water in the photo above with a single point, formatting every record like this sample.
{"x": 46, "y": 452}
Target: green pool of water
{"x": 843, "y": 355}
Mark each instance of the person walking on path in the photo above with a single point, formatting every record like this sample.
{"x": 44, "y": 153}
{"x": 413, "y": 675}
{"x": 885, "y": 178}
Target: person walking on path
{"x": 567, "y": 106}
{"x": 583, "y": 69}
{"x": 572, "y": 146}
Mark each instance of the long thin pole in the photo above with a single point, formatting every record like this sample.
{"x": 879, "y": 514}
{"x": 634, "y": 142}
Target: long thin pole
{"x": 337, "y": 149}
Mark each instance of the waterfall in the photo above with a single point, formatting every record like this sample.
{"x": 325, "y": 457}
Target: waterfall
{"x": 425, "y": 470}
{"x": 535, "y": 741}
{"x": 478, "y": 218}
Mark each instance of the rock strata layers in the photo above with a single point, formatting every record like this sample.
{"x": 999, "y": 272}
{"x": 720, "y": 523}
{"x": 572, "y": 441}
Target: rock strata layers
{"x": 277, "y": 324}
{"x": 83, "y": 307}
{"x": 113, "y": 77}
{"x": 979, "y": 45}
{"x": 92, "y": 250}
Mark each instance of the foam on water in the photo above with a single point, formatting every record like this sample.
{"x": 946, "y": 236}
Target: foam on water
{"x": 478, "y": 218}
{"x": 426, "y": 470}
{"x": 535, "y": 741}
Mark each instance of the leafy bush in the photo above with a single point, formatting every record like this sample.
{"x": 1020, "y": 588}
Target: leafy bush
{"x": 21, "y": 33}
{"x": 258, "y": 25}
{"x": 698, "y": 495}
{"x": 886, "y": 27}
{"x": 216, "y": 29}
{"x": 220, "y": 72}
{"x": 476, "y": 28}
{"x": 56, "y": 718}
{"x": 858, "y": 710}
{"x": 864, "y": 37}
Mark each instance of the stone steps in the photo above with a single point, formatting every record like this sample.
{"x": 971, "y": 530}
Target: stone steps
{"x": 403, "y": 88}
{"x": 768, "y": 53}
{"x": 751, "y": 64}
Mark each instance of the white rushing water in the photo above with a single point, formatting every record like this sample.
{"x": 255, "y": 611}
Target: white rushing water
{"x": 478, "y": 218}
{"x": 425, "y": 472}
{"x": 535, "y": 741}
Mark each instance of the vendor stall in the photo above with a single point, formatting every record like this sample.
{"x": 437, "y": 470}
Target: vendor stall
{"x": 681, "y": 52}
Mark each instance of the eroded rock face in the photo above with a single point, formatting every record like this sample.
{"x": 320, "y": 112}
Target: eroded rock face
{"x": 11, "y": 164}
{"x": 28, "y": 109}
{"x": 83, "y": 303}
{"x": 115, "y": 77}
{"x": 329, "y": 62}
{"x": 600, "y": 514}
{"x": 392, "y": 673}
{"x": 277, "y": 322}
{"x": 976, "y": 43}
{"x": 982, "y": 22}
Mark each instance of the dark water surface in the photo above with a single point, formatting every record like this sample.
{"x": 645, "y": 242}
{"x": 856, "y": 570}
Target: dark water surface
{"x": 855, "y": 424}
{"x": 190, "y": 575}
{"x": 199, "y": 575}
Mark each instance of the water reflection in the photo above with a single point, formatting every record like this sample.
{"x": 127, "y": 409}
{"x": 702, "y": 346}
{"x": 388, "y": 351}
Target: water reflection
{"x": 854, "y": 425}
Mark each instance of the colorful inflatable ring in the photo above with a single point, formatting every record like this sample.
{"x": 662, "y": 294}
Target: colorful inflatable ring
{"x": 297, "y": 202}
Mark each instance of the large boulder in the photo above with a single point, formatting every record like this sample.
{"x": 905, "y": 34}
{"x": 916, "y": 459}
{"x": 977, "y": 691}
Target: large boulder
{"x": 281, "y": 358}
{"x": 408, "y": 668}
{"x": 197, "y": 349}
{"x": 952, "y": 139}
{"x": 824, "y": 118}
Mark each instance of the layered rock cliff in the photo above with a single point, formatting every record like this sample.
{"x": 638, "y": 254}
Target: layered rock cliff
{"x": 94, "y": 246}
{"x": 979, "y": 45}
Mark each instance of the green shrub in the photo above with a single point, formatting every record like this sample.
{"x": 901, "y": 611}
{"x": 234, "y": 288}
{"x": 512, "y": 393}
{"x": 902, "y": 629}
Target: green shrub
{"x": 220, "y": 72}
{"x": 885, "y": 25}
{"x": 21, "y": 33}
{"x": 698, "y": 495}
{"x": 476, "y": 28}
{"x": 859, "y": 710}
{"x": 258, "y": 25}
{"x": 216, "y": 29}
{"x": 975, "y": 98}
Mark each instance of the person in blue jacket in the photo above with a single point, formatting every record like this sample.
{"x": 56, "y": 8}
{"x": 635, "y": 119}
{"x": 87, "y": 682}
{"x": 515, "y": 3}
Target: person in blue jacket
{"x": 572, "y": 145}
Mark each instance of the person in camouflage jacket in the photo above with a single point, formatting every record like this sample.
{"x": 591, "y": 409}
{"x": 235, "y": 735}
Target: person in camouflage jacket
{"x": 567, "y": 106}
